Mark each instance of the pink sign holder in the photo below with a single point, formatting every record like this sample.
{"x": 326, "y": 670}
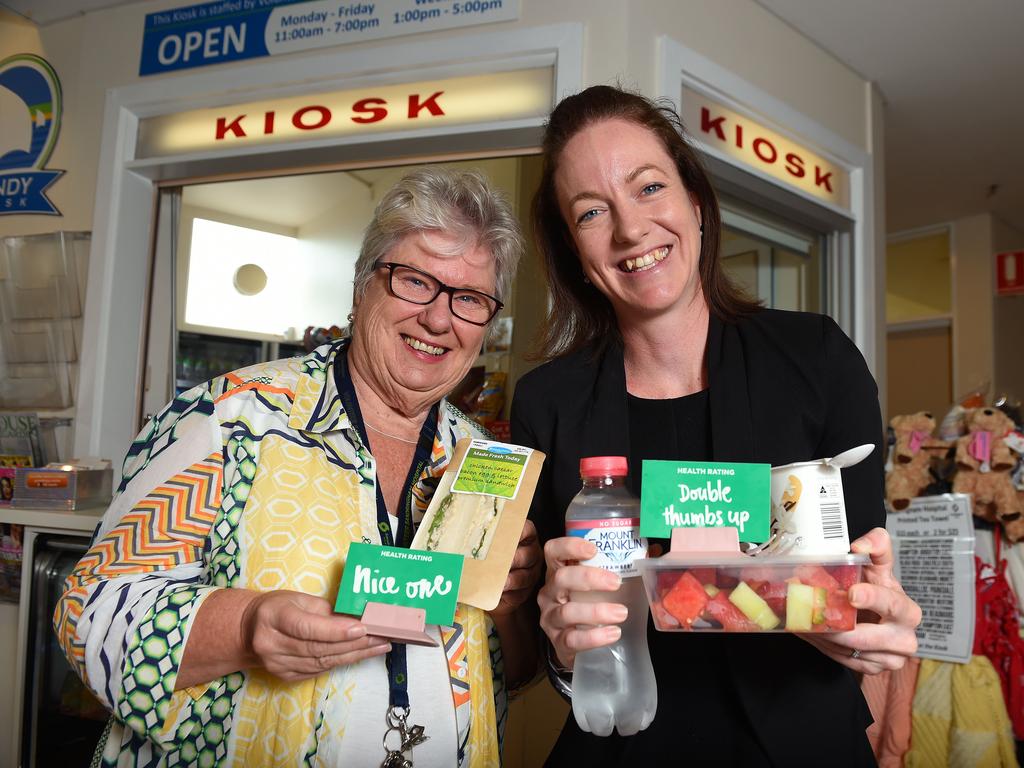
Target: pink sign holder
{"x": 705, "y": 541}
{"x": 397, "y": 622}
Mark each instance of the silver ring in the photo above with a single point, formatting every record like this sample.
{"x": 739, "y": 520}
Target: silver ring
{"x": 855, "y": 654}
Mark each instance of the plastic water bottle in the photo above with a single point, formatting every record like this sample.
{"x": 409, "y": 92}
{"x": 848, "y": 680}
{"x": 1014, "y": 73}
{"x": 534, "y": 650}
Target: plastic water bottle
{"x": 613, "y": 686}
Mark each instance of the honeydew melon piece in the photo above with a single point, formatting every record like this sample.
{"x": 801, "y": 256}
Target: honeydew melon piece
{"x": 799, "y": 607}
{"x": 820, "y": 601}
{"x": 712, "y": 590}
{"x": 753, "y": 606}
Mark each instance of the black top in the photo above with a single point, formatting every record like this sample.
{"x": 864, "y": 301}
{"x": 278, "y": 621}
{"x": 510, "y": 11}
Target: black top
{"x": 783, "y": 387}
{"x": 676, "y": 429}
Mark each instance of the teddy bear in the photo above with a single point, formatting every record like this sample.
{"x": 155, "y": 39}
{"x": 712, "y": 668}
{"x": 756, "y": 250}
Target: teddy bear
{"x": 908, "y": 471}
{"x": 984, "y": 463}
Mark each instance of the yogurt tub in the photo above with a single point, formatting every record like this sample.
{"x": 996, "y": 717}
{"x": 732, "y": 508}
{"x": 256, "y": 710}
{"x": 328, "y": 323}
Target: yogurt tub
{"x": 808, "y": 508}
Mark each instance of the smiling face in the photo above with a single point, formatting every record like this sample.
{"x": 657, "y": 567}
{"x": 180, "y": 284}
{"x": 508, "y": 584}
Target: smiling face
{"x": 412, "y": 355}
{"x": 635, "y": 225}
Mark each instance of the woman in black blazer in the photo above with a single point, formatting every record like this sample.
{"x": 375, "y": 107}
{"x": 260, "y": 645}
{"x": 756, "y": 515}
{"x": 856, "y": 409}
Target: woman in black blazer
{"x": 654, "y": 355}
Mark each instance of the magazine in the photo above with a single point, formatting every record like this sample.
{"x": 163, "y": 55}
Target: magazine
{"x": 20, "y": 442}
{"x": 10, "y": 562}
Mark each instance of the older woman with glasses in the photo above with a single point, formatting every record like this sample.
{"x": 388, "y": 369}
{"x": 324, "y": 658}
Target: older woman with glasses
{"x": 202, "y": 614}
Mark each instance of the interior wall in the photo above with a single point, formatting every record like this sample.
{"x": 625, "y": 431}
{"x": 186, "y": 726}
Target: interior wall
{"x": 1008, "y": 321}
{"x": 919, "y": 370}
{"x": 875, "y": 130}
{"x": 740, "y": 34}
{"x": 919, "y": 360}
{"x": 333, "y": 239}
{"x": 973, "y": 326}
{"x": 746, "y": 38}
{"x": 918, "y": 278}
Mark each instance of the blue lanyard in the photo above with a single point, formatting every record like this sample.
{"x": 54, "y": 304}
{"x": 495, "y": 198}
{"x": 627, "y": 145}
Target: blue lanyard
{"x": 396, "y": 661}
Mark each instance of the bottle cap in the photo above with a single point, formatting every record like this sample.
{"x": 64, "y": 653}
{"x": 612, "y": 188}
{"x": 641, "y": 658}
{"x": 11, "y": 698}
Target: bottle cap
{"x": 604, "y": 466}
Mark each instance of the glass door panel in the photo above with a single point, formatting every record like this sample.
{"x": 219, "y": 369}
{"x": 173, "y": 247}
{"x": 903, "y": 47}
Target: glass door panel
{"x": 773, "y": 260}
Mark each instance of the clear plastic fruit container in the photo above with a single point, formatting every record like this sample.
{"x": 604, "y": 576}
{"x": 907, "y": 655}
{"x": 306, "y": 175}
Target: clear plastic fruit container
{"x": 722, "y": 592}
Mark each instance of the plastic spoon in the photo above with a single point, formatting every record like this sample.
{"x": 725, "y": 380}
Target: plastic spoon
{"x": 852, "y": 456}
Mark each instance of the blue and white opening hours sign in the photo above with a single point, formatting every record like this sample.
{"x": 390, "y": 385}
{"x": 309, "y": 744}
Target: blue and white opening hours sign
{"x": 231, "y": 30}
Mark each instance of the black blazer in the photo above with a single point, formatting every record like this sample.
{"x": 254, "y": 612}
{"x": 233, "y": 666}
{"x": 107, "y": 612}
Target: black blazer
{"x": 784, "y": 387}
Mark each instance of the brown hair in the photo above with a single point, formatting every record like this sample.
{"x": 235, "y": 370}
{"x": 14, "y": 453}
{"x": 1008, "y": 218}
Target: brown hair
{"x": 581, "y": 314}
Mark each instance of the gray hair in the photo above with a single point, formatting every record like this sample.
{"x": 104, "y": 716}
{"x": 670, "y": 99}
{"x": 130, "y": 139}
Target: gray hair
{"x": 446, "y": 200}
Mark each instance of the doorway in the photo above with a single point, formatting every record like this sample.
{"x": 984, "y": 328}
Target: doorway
{"x": 258, "y": 269}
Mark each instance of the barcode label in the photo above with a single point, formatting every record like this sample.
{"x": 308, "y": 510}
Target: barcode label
{"x": 832, "y": 526}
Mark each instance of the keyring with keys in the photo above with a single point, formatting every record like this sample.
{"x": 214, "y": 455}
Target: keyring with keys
{"x": 409, "y": 737}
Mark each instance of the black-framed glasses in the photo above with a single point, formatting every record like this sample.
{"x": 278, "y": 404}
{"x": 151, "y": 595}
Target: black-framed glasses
{"x": 419, "y": 287}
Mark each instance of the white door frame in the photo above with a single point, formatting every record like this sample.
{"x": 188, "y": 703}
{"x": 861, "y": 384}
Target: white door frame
{"x": 679, "y": 65}
{"x": 124, "y": 216}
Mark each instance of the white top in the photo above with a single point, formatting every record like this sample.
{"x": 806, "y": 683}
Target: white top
{"x": 430, "y": 705}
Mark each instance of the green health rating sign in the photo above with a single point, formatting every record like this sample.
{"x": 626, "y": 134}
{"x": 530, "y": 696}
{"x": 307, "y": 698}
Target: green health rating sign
{"x": 683, "y": 494}
{"x": 395, "y": 576}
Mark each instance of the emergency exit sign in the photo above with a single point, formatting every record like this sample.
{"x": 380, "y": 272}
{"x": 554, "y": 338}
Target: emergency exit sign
{"x": 1010, "y": 273}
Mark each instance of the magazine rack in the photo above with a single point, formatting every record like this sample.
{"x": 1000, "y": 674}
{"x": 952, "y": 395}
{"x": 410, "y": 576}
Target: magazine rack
{"x": 40, "y": 318}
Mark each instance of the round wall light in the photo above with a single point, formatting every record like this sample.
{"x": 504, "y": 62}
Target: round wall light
{"x": 250, "y": 279}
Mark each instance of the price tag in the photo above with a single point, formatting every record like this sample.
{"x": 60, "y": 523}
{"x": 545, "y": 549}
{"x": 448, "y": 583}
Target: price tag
{"x": 406, "y": 577}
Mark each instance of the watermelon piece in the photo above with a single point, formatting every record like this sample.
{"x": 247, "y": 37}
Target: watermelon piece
{"x": 845, "y": 575}
{"x": 774, "y": 593}
{"x": 728, "y": 615}
{"x": 662, "y": 618}
{"x": 727, "y": 579}
{"x": 666, "y": 580}
{"x": 839, "y": 614}
{"x": 816, "y": 576}
{"x": 686, "y": 599}
{"x": 704, "y": 575}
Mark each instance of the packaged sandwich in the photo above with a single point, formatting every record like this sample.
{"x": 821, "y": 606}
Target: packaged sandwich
{"x": 478, "y": 511}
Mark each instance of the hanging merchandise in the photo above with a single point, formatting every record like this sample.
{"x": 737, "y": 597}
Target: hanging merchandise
{"x": 890, "y": 696}
{"x": 997, "y": 633}
{"x": 959, "y": 718}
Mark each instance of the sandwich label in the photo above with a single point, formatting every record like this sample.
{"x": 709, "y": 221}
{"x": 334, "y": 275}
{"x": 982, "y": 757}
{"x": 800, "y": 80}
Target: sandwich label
{"x": 395, "y": 576}
{"x": 690, "y": 494}
{"x": 491, "y": 468}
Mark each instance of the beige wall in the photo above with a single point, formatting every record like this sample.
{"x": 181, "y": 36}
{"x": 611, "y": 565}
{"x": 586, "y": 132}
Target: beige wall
{"x": 918, "y": 278}
{"x": 745, "y": 38}
{"x": 919, "y": 373}
{"x": 100, "y": 50}
{"x": 973, "y": 340}
{"x": 987, "y": 330}
{"x": 919, "y": 369}
{"x": 1008, "y": 322}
